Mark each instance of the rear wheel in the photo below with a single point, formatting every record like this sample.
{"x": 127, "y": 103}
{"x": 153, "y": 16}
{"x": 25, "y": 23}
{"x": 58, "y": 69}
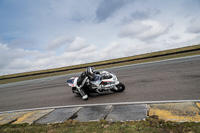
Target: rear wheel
{"x": 120, "y": 87}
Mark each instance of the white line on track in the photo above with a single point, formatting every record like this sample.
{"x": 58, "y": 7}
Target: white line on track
{"x": 104, "y": 104}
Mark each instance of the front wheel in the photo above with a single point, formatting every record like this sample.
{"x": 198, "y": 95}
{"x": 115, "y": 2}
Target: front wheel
{"x": 120, "y": 87}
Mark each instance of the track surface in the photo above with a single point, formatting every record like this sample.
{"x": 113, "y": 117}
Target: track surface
{"x": 177, "y": 79}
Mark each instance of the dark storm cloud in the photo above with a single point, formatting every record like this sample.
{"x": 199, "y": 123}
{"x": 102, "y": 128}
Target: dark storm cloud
{"x": 107, "y": 8}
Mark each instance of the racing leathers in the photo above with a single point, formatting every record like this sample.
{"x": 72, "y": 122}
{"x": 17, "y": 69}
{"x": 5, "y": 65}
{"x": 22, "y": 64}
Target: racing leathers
{"x": 82, "y": 80}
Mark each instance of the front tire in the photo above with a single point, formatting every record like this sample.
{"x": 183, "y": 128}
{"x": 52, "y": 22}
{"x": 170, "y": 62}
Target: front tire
{"x": 120, "y": 87}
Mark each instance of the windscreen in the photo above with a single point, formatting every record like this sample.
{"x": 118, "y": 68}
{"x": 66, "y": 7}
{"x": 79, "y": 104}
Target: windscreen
{"x": 70, "y": 81}
{"x": 97, "y": 78}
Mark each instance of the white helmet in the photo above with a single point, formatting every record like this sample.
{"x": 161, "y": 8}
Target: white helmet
{"x": 90, "y": 71}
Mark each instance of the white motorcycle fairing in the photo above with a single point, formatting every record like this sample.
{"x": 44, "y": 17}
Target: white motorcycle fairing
{"x": 102, "y": 83}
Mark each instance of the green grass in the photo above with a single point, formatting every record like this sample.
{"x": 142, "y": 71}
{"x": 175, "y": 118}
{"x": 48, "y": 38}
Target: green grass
{"x": 151, "y": 125}
{"x": 56, "y": 71}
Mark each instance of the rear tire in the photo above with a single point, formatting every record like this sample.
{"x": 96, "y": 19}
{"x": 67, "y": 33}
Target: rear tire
{"x": 120, "y": 87}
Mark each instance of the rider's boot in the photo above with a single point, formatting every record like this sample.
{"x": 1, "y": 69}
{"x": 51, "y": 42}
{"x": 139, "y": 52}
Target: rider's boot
{"x": 85, "y": 97}
{"x": 83, "y": 94}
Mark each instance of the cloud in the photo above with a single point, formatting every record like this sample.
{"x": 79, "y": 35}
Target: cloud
{"x": 89, "y": 53}
{"x": 78, "y": 44}
{"x": 48, "y": 34}
{"x": 175, "y": 37}
{"x": 7, "y": 55}
{"x": 22, "y": 43}
{"x": 78, "y": 17}
{"x": 144, "y": 30}
{"x": 14, "y": 60}
{"x": 139, "y": 48}
{"x": 193, "y": 26}
{"x": 109, "y": 7}
{"x": 110, "y": 48}
{"x": 92, "y": 52}
{"x": 141, "y": 15}
{"x": 58, "y": 42}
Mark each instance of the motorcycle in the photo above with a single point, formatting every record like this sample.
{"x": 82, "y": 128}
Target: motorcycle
{"x": 101, "y": 84}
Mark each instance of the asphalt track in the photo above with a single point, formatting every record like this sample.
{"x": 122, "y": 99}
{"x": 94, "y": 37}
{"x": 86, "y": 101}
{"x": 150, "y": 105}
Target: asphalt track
{"x": 177, "y": 79}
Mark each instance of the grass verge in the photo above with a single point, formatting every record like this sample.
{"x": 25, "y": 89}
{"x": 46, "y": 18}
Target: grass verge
{"x": 149, "y": 125}
{"x": 155, "y": 56}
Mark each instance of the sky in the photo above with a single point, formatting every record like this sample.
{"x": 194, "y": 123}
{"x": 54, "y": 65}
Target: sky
{"x": 45, "y": 34}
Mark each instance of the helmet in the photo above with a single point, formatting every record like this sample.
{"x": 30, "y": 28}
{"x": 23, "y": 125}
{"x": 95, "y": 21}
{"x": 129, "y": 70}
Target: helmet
{"x": 90, "y": 72}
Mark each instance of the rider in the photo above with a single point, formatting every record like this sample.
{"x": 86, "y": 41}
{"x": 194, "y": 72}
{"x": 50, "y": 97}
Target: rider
{"x": 88, "y": 74}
